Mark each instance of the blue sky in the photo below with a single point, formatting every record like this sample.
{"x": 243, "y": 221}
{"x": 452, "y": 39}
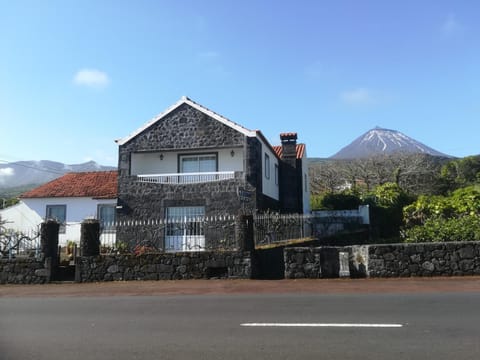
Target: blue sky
{"x": 76, "y": 75}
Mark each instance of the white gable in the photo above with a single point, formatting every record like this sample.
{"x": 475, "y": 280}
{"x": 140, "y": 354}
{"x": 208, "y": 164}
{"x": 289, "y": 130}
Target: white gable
{"x": 186, "y": 100}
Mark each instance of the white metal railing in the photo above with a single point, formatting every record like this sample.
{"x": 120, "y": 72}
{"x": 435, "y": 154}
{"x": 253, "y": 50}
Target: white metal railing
{"x": 186, "y": 178}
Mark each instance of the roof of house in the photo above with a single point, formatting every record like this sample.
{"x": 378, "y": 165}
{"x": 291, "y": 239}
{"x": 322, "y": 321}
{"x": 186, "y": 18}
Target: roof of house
{"x": 300, "y": 150}
{"x": 97, "y": 185}
{"x": 186, "y": 100}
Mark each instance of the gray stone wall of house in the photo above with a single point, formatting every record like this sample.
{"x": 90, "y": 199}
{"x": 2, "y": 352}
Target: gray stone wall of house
{"x": 383, "y": 261}
{"x": 184, "y": 128}
{"x": 189, "y": 129}
{"x": 290, "y": 187}
{"x": 168, "y": 266}
{"x": 254, "y": 177}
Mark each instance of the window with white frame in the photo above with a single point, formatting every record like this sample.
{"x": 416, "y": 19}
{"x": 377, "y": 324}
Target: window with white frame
{"x": 198, "y": 163}
{"x": 267, "y": 166}
{"x": 59, "y": 214}
{"x": 106, "y": 216}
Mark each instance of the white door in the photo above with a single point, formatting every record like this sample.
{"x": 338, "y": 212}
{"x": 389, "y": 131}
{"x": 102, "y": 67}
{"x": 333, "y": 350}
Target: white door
{"x": 185, "y": 229}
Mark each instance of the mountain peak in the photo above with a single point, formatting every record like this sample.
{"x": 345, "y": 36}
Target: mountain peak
{"x": 381, "y": 141}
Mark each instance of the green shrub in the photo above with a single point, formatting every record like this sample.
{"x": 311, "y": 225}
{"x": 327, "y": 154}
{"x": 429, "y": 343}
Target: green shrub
{"x": 444, "y": 218}
{"x": 332, "y": 201}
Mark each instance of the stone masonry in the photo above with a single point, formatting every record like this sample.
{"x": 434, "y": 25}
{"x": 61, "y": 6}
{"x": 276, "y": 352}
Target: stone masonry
{"x": 384, "y": 261}
{"x": 168, "y": 266}
{"x": 23, "y": 271}
{"x": 187, "y": 129}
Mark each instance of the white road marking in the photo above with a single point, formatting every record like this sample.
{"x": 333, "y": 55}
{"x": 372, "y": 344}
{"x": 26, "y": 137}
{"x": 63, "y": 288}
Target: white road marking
{"x": 345, "y": 325}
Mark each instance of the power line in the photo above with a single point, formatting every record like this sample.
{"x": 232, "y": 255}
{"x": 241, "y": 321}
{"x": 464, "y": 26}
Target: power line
{"x": 44, "y": 169}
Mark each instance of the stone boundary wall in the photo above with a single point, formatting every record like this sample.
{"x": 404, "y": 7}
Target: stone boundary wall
{"x": 24, "y": 271}
{"x": 167, "y": 266}
{"x": 383, "y": 261}
{"x": 311, "y": 262}
{"x": 426, "y": 259}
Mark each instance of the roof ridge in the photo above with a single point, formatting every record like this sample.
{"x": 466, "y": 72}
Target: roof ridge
{"x": 199, "y": 107}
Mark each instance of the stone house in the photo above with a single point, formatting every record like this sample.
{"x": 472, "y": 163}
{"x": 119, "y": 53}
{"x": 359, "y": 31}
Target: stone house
{"x": 192, "y": 162}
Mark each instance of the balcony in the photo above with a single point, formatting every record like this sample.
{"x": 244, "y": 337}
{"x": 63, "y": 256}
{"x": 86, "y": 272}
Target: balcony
{"x": 186, "y": 178}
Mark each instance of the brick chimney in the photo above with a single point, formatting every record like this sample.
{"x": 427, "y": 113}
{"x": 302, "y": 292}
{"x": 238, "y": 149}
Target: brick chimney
{"x": 289, "y": 148}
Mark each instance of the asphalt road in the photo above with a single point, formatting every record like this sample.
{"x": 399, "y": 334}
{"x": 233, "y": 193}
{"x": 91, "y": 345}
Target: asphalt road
{"x": 433, "y": 326}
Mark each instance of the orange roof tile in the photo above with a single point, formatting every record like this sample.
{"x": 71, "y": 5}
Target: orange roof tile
{"x": 96, "y": 184}
{"x": 300, "y": 150}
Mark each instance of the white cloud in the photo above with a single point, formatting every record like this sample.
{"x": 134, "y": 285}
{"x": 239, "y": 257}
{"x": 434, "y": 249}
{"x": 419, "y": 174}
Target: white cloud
{"x": 91, "y": 78}
{"x": 451, "y": 26}
{"x": 4, "y": 173}
{"x": 7, "y": 172}
{"x": 359, "y": 96}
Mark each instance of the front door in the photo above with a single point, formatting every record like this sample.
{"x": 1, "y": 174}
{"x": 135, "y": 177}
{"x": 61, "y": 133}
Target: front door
{"x": 185, "y": 230}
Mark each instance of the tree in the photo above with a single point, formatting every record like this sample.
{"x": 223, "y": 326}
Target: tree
{"x": 444, "y": 218}
{"x": 386, "y": 209}
{"x": 461, "y": 172}
{"x": 415, "y": 173}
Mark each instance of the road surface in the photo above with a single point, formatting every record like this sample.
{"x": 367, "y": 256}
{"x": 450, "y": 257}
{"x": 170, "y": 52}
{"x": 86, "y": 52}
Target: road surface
{"x": 379, "y": 320}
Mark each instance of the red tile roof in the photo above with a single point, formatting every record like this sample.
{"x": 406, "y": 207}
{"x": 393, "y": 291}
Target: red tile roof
{"x": 97, "y": 184}
{"x": 300, "y": 150}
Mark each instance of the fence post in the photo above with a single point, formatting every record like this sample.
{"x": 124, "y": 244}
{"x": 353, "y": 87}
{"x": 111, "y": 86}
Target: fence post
{"x": 49, "y": 238}
{"x": 49, "y": 245}
{"x": 90, "y": 238}
{"x": 244, "y": 232}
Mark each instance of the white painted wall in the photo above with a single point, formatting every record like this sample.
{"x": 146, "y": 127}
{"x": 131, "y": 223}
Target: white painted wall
{"x": 150, "y": 163}
{"x": 20, "y": 218}
{"x": 269, "y": 187}
{"x": 78, "y": 209}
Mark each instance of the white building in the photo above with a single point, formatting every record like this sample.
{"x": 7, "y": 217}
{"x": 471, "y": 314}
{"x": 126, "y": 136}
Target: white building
{"x": 69, "y": 199}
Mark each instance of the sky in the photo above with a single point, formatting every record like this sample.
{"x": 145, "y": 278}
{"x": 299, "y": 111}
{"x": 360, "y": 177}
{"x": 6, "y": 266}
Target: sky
{"x": 77, "y": 75}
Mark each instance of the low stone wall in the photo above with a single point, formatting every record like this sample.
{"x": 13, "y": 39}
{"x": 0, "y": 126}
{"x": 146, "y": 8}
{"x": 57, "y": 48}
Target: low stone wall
{"x": 427, "y": 259}
{"x": 24, "y": 271}
{"x": 168, "y": 266}
{"x": 312, "y": 262}
{"x": 381, "y": 261}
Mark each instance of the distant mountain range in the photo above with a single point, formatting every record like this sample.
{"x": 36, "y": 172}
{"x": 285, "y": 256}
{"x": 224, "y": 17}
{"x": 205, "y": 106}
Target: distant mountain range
{"x": 380, "y": 141}
{"x": 31, "y": 173}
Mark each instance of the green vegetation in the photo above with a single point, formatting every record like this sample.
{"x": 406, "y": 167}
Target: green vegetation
{"x": 411, "y": 198}
{"x": 444, "y": 218}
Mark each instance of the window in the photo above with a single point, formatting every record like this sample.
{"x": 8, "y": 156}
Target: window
{"x": 106, "y": 216}
{"x": 198, "y": 163}
{"x": 59, "y": 214}
{"x": 276, "y": 174}
{"x": 267, "y": 166}
{"x": 185, "y": 230}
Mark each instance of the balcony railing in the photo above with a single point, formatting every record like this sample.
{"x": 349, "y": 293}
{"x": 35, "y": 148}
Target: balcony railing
{"x": 186, "y": 178}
